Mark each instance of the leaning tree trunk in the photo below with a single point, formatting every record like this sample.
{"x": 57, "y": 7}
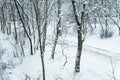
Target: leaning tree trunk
{"x": 24, "y": 23}
{"x": 57, "y": 29}
{"x": 56, "y": 38}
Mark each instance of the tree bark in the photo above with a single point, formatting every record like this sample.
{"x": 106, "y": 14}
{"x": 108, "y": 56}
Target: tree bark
{"x": 23, "y": 23}
{"x": 3, "y": 21}
{"x": 56, "y": 39}
{"x": 39, "y": 35}
{"x": 57, "y": 29}
{"x": 80, "y": 40}
{"x": 45, "y": 25}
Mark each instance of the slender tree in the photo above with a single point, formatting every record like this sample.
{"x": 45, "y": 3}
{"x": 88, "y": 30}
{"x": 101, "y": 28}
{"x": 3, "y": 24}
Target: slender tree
{"x": 45, "y": 25}
{"x": 37, "y": 13}
{"x": 58, "y": 29}
{"x": 24, "y": 24}
{"x": 80, "y": 26}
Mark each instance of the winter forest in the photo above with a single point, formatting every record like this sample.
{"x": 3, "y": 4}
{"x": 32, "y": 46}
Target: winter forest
{"x": 59, "y": 39}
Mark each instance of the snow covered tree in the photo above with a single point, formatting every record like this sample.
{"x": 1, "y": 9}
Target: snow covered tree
{"x": 58, "y": 29}
{"x": 24, "y": 23}
{"x": 80, "y": 25}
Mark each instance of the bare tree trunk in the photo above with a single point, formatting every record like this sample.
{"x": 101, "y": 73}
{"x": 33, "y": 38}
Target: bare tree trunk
{"x": 80, "y": 40}
{"x": 3, "y": 21}
{"x": 56, "y": 39}
{"x": 45, "y": 26}
{"x": 33, "y": 28}
{"x": 57, "y": 29}
{"x": 9, "y": 28}
{"x": 9, "y": 18}
{"x": 39, "y": 35}
{"x": 24, "y": 23}
{"x": 42, "y": 54}
{"x": 102, "y": 29}
{"x": 16, "y": 36}
{"x": 106, "y": 26}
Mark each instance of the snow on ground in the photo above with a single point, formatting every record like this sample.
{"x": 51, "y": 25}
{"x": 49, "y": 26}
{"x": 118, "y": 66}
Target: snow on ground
{"x": 110, "y": 44}
{"x": 98, "y": 57}
{"x": 93, "y": 65}
{"x": 7, "y": 49}
{"x": 31, "y": 66}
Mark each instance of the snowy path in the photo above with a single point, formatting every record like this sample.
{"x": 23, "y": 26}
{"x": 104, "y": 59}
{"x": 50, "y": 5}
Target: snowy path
{"x": 103, "y": 52}
{"x": 96, "y": 64}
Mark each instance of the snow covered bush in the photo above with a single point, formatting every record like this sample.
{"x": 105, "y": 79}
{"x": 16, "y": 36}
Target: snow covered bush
{"x": 9, "y": 50}
{"x": 3, "y": 72}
